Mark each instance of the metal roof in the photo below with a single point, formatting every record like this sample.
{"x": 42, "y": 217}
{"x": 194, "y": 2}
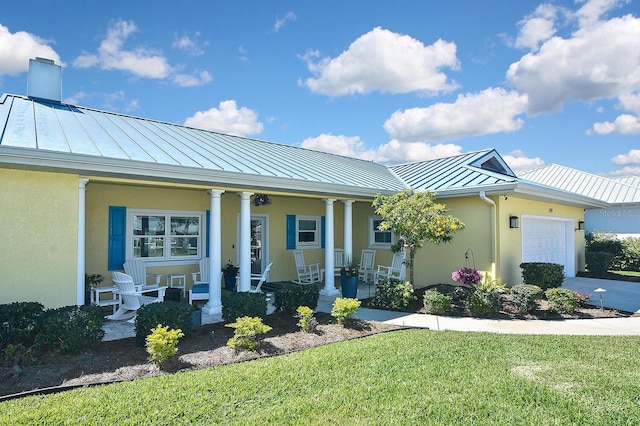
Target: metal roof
{"x": 88, "y": 140}
{"x": 480, "y": 169}
{"x": 612, "y": 191}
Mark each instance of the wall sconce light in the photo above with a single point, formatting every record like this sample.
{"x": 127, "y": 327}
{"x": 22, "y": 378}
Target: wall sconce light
{"x": 513, "y": 222}
{"x": 580, "y": 225}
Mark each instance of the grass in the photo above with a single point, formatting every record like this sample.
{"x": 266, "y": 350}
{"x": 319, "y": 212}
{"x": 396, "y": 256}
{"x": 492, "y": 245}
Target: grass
{"x": 399, "y": 378}
{"x": 626, "y": 273}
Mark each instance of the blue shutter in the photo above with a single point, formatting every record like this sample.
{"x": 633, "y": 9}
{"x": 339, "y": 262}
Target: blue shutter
{"x": 117, "y": 237}
{"x": 291, "y": 232}
{"x": 322, "y": 228}
{"x": 206, "y": 233}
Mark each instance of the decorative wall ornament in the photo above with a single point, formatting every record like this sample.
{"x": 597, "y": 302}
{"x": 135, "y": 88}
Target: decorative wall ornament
{"x": 261, "y": 200}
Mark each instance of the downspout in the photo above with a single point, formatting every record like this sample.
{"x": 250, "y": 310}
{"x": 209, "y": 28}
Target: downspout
{"x": 494, "y": 236}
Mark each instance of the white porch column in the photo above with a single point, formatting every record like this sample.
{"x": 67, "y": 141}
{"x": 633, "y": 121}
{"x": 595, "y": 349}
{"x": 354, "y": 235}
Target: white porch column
{"x": 348, "y": 229}
{"x": 329, "y": 281}
{"x": 214, "y": 305}
{"x": 82, "y": 189}
{"x": 244, "y": 245}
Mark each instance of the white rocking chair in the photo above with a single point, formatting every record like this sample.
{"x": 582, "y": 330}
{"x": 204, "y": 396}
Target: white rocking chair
{"x": 132, "y": 299}
{"x": 200, "y": 289}
{"x": 307, "y": 274}
{"x": 338, "y": 262}
{"x": 367, "y": 260}
{"x": 261, "y": 278}
{"x": 396, "y": 270}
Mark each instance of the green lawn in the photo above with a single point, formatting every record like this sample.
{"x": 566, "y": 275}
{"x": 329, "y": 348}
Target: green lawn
{"x": 398, "y": 378}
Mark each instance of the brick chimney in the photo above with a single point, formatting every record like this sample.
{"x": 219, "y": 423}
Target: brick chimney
{"x": 45, "y": 80}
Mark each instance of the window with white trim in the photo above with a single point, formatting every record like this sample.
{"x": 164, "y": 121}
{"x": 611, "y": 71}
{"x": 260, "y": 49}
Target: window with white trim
{"x": 164, "y": 235}
{"x": 308, "y": 232}
{"x": 377, "y": 237}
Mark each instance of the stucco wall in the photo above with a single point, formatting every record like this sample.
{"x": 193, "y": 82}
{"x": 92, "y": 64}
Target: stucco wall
{"x": 39, "y": 216}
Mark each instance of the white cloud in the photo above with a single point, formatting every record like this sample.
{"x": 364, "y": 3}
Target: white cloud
{"x": 599, "y": 60}
{"x": 626, "y": 171}
{"x": 493, "y": 110}
{"x": 189, "y": 45}
{"x": 393, "y": 152}
{"x": 625, "y": 124}
{"x": 517, "y": 160}
{"x": 281, "y": 22}
{"x": 227, "y": 118}
{"x": 16, "y": 49}
{"x": 632, "y": 157}
{"x": 593, "y": 10}
{"x": 141, "y": 62}
{"x": 384, "y": 61}
{"x": 537, "y": 28}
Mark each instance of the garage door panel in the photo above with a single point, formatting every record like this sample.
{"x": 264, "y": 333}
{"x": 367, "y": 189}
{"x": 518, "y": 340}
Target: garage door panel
{"x": 544, "y": 240}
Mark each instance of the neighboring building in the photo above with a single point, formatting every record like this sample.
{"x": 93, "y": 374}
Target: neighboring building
{"x": 84, "y": 190}
{"x": 621, "y": 215}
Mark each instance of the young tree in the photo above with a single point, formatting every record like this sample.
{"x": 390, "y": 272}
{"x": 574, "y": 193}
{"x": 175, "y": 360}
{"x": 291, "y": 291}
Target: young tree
{"x": 416, "y": 218}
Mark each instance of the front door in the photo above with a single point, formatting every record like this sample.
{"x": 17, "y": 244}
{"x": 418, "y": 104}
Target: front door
{"x": 259, "y": 245}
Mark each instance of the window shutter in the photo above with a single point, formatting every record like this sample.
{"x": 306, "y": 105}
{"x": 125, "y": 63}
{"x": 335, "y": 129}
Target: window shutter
{"x": 291, "y": 232}
{"x": 322, "y": 228}
{"x": 117, "y": 237}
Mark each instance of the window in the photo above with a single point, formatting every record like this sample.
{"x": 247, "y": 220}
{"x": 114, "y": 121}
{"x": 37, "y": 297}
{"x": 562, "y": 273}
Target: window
{"x": 377, "y": 237}
{"x": 164, "y": 235}
{"x": 308, "y": 231}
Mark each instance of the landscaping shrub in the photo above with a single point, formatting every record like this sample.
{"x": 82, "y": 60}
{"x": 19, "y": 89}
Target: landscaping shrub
{"x": 235, "y": 305}
{"x": 291, "y": 295}
{"x": 18, "y": 323}
{"x": 598, "y": 262}
{"x": 544, "y": 275}
{"x": 458, "y": 293}
{"x": 483, "y": 303}
{"x": 246, "y": 331}
{"x": 525, "y": 297}
{"x": 436, "y": 303}
{"x": 162, "y": 343}
{"x": 172, "y": 314}
{"x": 392, "y": 293}
{"x": 629, "y": 259}
{"x": 344, "y": 308}
{"x": 307, "y": 322}
{"x": 70, "y": 328}
{"x": 562, "y": 300}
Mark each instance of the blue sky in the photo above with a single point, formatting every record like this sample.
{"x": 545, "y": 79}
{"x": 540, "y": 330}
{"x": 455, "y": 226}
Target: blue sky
{"x": 392, "y": 82}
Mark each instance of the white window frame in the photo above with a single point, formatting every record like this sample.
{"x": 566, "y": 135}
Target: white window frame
{"x": 317, "y": 243}
{"x": 167, "y": 259}
{"x": 372, "y": 234}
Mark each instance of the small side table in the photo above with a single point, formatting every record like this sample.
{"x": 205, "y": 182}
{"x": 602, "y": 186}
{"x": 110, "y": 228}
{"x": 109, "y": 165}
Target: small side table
{"x": 178, "y": 281}
{"x": 114, "y": 301}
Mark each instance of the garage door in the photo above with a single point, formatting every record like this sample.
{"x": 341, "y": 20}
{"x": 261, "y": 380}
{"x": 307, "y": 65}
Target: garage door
{"x": 546, "y": 240}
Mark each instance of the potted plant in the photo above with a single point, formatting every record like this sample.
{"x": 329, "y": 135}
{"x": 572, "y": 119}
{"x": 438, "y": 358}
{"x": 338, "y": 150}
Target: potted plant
{"x": 90, "y": 281}
{"x": 349, "y": 278}
{"x": 230, "y": 271}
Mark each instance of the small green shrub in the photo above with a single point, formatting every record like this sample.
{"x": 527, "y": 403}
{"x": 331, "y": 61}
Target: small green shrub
{"x": 562, "y": 300}
{"x": 490, "y": 285}
{"x": 71, "y": 328}
{"x": 291, "y": 295}
{"x": 246, "y": 331}
{"x": 598, "y": 262}
{"x": 19, "y": 322}
{"x": 393, "y": 294}
{"x": 344, "y": 308}
{"x": 162, "y": 343}
{"x": 436, "y": 303}
{"x": 544, "y": 275}
{"x": 525, "y": 297}
{"x": 458, "y": 293}
{"x": 629, "y": 259}
{"x": 307, "y": 322}
{"x": 243, "y": 304}
{"x": 172, "y": 314}
{"x": 483, "y": 302}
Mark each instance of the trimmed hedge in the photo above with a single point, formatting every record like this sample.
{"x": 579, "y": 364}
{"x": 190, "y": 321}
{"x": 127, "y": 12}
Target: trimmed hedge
{"x": 172, "y": 314}
{"x": 598, "y": 262}
{"x": 544, "y": 275}
{"x": 525, "y": 297}
{"x": 19, "y": 322}
{"x": 243, "y": 304}
{"x": 289, "y": 296}
{"x": 70, "y": 328}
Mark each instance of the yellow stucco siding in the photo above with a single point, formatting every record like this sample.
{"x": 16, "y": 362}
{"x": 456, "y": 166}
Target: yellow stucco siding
{"x": 39, "y": 216}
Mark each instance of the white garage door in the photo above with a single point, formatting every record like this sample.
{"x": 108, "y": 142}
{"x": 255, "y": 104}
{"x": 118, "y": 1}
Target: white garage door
{"x": 547, "y": 240}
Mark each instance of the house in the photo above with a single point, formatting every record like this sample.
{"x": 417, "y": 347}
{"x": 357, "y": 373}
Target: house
{"x": 84, "y": 190}
{"x": 621, "y": 216}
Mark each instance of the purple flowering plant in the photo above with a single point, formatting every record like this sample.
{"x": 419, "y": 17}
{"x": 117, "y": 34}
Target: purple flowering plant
{"x": 350, "y": 269}
{"x": 466, "y": 275}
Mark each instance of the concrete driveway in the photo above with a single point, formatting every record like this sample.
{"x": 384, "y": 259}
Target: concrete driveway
{"x": 620, "y": 295}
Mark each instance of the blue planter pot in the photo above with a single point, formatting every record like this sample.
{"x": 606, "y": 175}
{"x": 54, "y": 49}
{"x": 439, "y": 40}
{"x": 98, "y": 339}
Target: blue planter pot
{"x": 349, "y": 286}
{"x": 230, "y": 282}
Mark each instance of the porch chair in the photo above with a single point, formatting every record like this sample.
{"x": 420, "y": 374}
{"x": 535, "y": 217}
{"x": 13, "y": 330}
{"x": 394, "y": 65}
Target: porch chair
{"x": 132, "y": 298}
{"x": 137, "y": 270}
{"x": 307, "y": 274}
{"x": 200, "y": 289}
{"x": 396, "y": 270}
{"x": 367, "y": 260}
{"x": 338, "y": 262}
{"x": 261, "y": 278}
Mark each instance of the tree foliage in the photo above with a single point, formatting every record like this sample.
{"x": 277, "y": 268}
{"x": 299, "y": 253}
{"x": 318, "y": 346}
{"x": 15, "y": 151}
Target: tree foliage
{"x": 417, "y": 219}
